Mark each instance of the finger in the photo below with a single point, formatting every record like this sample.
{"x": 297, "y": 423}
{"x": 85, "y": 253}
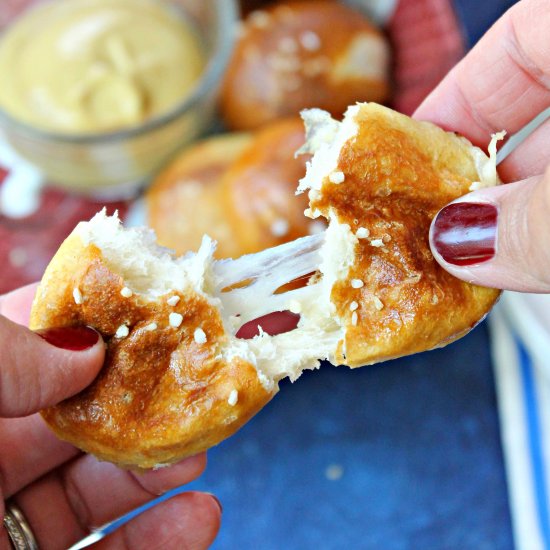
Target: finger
{"x": 498, "y": 237}
{"x": 501, "y": 84}
{"x": 190, "y": 521}
{"x": 29, "y": 450}
{"x": 49, "y": 514}
{"x": 120, "y": 490}
{"x": 16, "y": 305}
{"x": 36, "y": 372}
{"x": 70, "y": 515}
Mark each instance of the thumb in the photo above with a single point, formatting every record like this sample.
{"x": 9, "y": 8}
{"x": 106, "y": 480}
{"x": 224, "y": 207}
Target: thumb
{"x": 498, "y": 237}
{"x": 40, "y": 369}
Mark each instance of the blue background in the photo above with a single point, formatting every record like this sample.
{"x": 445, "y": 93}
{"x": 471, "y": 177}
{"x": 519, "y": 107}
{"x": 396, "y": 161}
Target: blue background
{"x": 416, "y": 441}
{"x": 416, "y": 438}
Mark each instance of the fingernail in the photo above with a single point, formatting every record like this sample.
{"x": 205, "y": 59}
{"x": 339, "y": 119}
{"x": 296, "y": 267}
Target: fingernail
{"x": 217, "y": 502}
{"x": 464, "y": 233}
{"x": 70, "y": 338}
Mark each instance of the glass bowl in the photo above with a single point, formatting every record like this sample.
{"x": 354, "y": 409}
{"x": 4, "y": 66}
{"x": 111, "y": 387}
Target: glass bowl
{"x": 116, "y": 164}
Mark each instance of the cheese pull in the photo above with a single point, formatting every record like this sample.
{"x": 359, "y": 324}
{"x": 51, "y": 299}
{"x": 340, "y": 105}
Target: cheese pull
{"x": 177, "y": 379}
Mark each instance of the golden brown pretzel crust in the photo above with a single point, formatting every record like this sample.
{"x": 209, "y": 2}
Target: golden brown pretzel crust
{"x": 160, "y": 396}
{"x": 398, "y": 174}
{"x": 259, "y": 188}
{"x": 263, "y": 82}
{"x": 185, "y": 201}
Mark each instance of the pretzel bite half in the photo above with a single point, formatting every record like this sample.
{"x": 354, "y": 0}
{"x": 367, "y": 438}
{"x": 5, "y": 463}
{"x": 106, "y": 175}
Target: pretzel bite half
{"x": 385, "y": 176}
{"x": 177, "y": 380}
{"x": 259, "y": 189}
{"x": 185, "y": 201}
{"x": 173, "y": 384}
{"x": 303, "y": 54}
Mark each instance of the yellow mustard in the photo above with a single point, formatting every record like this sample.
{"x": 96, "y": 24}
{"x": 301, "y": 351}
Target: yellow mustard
{"x": 85, "y": 66}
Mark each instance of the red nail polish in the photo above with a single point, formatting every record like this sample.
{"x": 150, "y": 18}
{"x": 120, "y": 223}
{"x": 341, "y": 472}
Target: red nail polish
{"x": 70, "y": 338}
{"x": 464, "y": 233}
{"x": 217, "y": 500}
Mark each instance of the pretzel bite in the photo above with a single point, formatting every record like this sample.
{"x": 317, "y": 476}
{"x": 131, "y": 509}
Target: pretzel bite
{"x": 303, "y": 54}
{"x": 385, "y": 176}
{"x": 172, "y": 384}
{"x": 177, "y": 380}
{"x": 185, "y": 200}
{"x": 260, "y": 189}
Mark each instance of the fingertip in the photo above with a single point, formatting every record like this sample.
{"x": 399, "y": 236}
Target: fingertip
{"x": 208, "y": 506}
{"x": 190, "y": 520}
{"x": 495, "y": 237}
{"x": 36, "y": 373}
{"x": 158, "y": 481}
{"x": 16, "y": 305}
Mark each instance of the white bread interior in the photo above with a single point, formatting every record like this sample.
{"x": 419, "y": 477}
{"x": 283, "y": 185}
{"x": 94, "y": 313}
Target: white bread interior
{"x": 153, "y": 271}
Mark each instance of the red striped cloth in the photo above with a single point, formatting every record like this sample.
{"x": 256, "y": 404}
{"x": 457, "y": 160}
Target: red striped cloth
{"x": 426, "y": 40}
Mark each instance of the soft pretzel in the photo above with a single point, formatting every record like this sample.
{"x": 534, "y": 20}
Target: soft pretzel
{"x": 301, "y": 54}
{"x": 176, "y": 379}
{"x": 185, "y": 200}
{"x": 259, "y": 189}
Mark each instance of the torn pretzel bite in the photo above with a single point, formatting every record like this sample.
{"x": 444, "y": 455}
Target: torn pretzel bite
{"x": 386, "y": 176}
{"x": 177, "y": 380}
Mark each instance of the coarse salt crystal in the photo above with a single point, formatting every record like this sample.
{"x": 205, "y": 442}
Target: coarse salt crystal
{"x": 354, "y": 318}
{"x": 337, "y": 177}
{"x": 310, "y": 41}
{"x": 259, "y": 19}
{"x": 279, "y": 228}
{"x": 199, "y": 336}
{"x": 377, "y": 243}
{"x": 353, "y": 306}
{"x": 173, "y": 300}
{"x": 175, "y": 319}
{"x": 357, "y": 283}
{"x": 362, "y": 233}
{"x": 122, "y": 331}
{"x": 287, "y": 44}
{"x": 378, "y": 304}
{"x": 126, "y": 292}
{"x": 233, "y": 397}
{"x": 77, "y": 295}
{"x": 150, "y": 326}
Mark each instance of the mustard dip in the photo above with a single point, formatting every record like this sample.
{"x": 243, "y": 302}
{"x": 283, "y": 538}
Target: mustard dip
{"x": 87, "y": 66}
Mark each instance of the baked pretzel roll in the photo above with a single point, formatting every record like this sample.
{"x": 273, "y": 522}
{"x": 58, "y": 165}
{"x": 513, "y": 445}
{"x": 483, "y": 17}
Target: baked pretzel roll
{"x": 302, "y": 54}
{"x": 186, "y": 201}
{"x": 177, "y": 380}
{"x": 386, "y": 179}
{"x": 173, "y": 384}
{"x": 259, "y": 189}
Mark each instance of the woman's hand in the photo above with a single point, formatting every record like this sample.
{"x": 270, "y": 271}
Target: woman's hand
{"x": 63, "y": 493}
{"x": 503, "y": 239}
